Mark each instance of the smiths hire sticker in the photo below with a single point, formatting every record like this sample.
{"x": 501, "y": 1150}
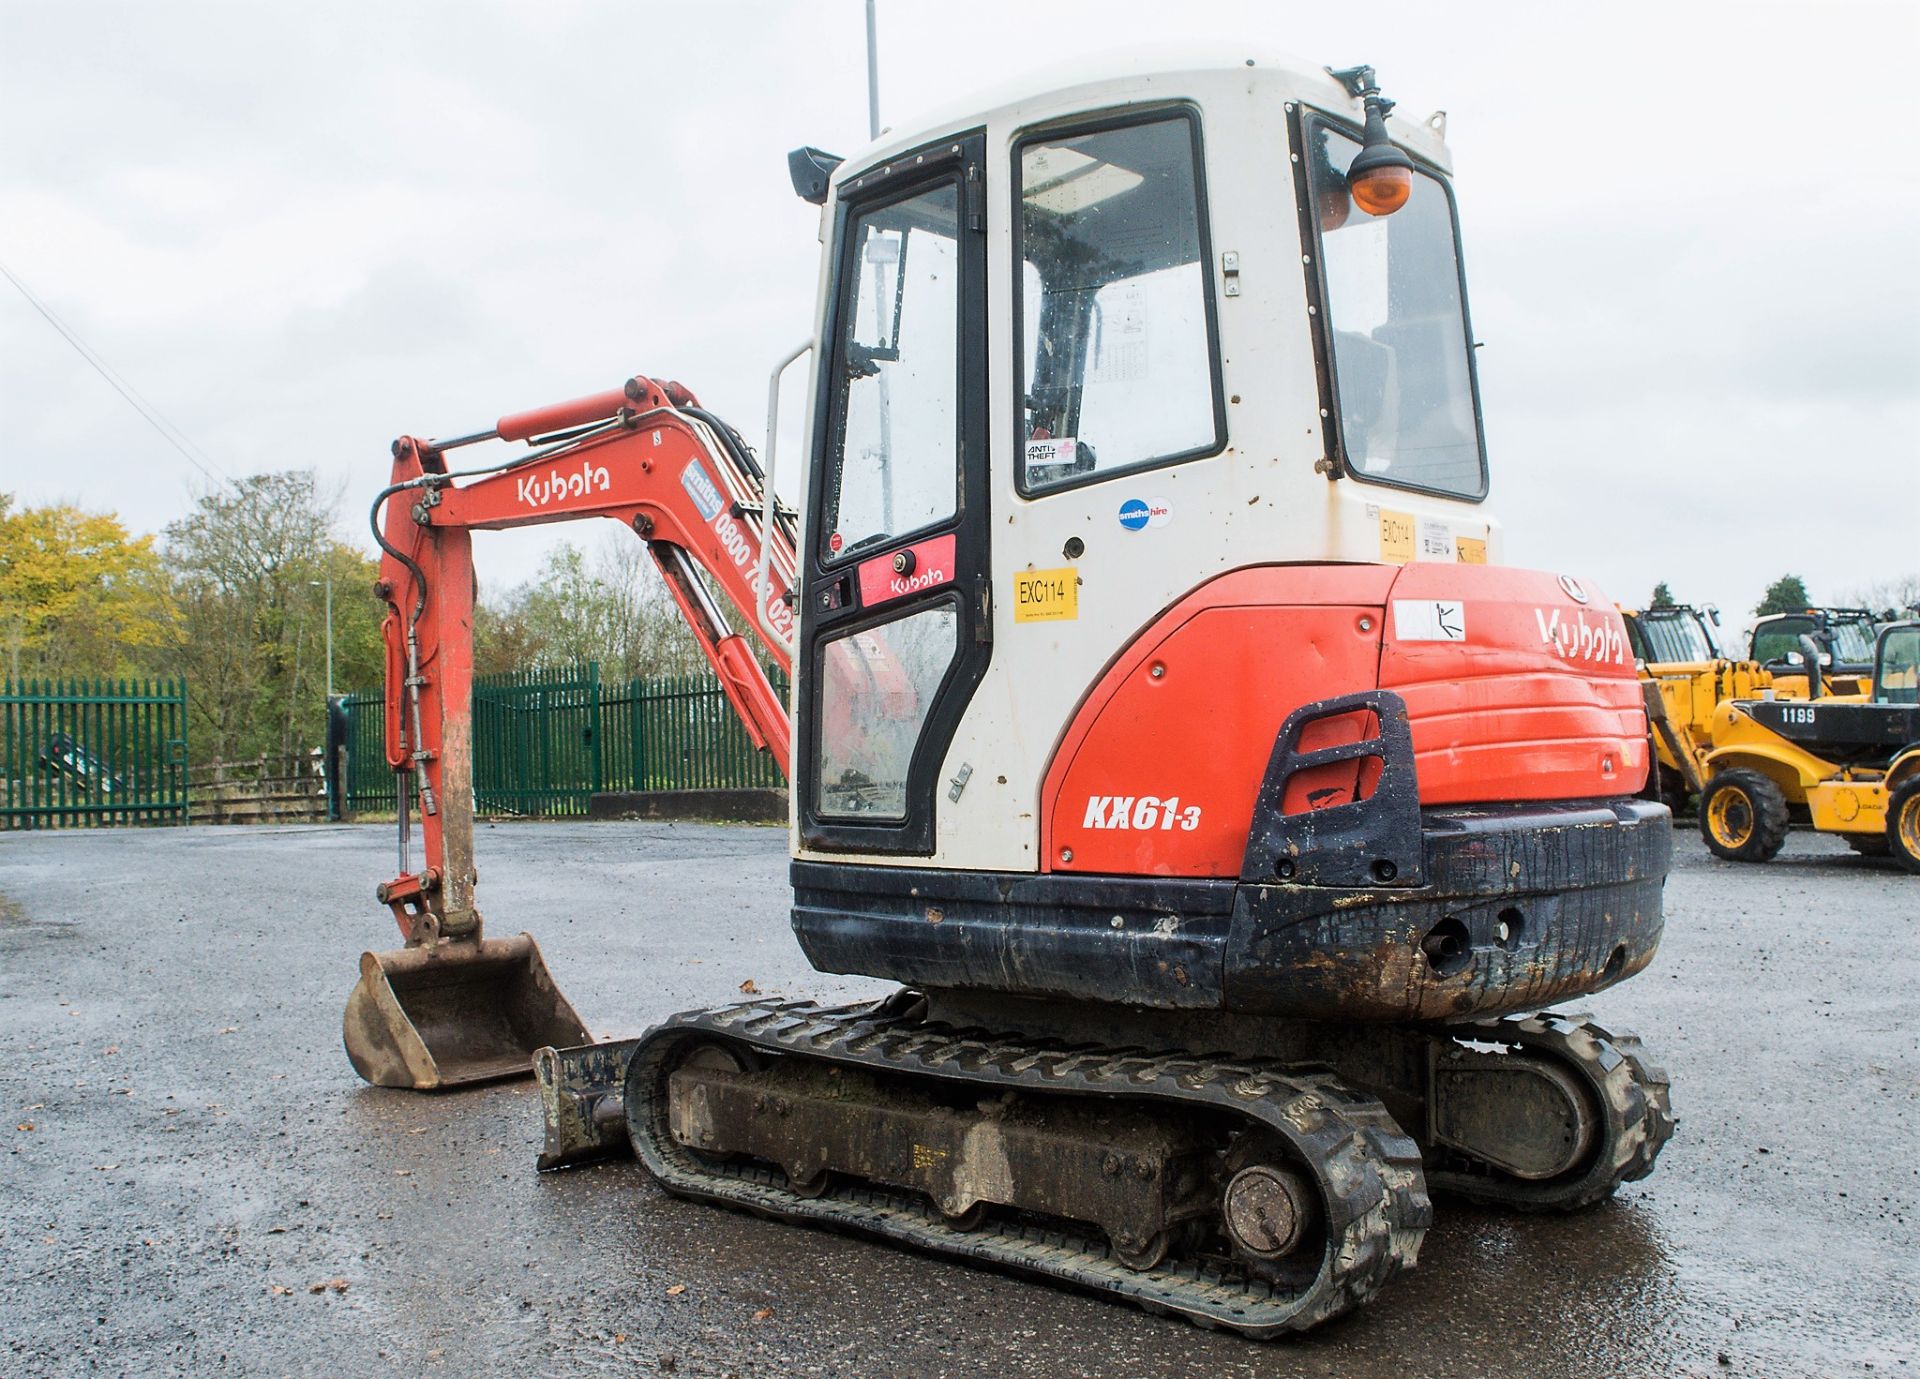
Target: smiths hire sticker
{"x": 1137, "y": 514}
{"x": 700, "y": 488}
{"x": 1429, "y": 620}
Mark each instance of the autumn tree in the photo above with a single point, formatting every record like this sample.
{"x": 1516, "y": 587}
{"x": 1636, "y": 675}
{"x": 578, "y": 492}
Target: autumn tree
{"x": 79, "y": 596}
{"x": 1786, "y": 594}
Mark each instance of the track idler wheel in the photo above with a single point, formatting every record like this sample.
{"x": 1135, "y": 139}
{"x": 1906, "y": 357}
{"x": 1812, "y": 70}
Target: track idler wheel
{"x": 693, "y": 1123}
{"x": 1576, "y": 1112}
{"x": 1270, "y": 1209}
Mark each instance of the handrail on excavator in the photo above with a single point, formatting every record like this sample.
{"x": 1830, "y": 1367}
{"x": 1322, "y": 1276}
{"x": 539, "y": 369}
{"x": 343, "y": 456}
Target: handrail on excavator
{"x": 773, "y": 492}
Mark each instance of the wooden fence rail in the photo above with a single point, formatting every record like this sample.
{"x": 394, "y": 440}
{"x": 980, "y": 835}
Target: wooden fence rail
{"x": 266, "y": 790}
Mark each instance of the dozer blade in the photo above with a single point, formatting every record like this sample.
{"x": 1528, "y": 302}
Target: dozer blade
{"x": 455, "y": 1013}
{"x": 582, "y": 1093}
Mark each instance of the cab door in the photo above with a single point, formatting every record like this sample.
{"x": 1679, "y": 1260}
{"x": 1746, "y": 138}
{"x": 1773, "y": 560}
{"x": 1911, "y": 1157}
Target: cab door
{"x": 895, "y": 629}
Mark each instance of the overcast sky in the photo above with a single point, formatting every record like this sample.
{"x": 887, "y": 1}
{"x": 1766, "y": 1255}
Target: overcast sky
{"x": 299, "y": 230}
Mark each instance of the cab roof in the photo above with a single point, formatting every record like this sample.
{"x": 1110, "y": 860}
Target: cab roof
{"x": 1110, "y": 79}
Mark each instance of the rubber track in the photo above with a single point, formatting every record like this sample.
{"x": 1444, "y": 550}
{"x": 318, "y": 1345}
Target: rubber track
{"x": 1369, "y": 1172}
{"x": 1633, "y": 1095}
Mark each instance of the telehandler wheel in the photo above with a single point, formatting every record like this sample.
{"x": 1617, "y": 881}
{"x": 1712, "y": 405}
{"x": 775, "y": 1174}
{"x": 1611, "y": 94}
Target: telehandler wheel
{"x": 1743, "y": 816}
{"x": 1903, "y": 824}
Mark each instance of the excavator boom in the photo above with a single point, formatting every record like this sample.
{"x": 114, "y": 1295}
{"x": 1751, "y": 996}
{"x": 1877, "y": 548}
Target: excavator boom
{"x": 453, "y": 1006}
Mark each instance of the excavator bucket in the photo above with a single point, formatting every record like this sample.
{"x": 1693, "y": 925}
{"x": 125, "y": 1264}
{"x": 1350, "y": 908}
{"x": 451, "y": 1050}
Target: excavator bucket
{"x": 454, "y": 1013}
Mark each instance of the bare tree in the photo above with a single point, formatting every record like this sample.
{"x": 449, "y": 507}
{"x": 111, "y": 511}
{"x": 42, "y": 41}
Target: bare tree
{"x": 1890, "y": 598}
{"x": 609, "y": 606}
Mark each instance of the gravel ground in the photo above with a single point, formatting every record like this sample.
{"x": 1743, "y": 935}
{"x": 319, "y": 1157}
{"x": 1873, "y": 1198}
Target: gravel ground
{"x": 195, "y": 1183}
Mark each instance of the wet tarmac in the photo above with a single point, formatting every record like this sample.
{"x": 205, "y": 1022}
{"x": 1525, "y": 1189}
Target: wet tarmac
{"x": 194, "y": 1182}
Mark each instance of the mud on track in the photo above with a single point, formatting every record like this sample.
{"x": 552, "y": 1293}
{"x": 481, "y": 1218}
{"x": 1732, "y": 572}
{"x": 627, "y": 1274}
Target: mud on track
{"x": 169, "y": 1018}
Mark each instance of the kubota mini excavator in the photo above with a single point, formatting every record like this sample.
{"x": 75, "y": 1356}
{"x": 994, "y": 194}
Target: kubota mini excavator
{"x": 1163, "y": 723}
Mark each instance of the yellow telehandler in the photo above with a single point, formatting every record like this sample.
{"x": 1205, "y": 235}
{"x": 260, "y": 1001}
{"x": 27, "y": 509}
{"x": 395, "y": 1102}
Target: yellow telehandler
{"x": 1845, "y": 766}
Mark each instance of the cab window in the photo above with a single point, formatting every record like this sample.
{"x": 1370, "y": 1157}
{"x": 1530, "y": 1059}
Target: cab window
{"x": 1403, "y": 380}
{"x": 1673, "y": 638}
{"x": 1897, "y": 679}
{"x": 1852, "y": 641}
{"x": 1115, "y": 320}
{"x": 1774, "y": 640}
{"x": 893, "y": 466}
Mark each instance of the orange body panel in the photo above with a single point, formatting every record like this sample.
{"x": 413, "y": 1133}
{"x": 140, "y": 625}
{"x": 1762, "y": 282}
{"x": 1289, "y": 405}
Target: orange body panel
{"x": 1541, "y": 701}
{"x": 1516, "y": 692}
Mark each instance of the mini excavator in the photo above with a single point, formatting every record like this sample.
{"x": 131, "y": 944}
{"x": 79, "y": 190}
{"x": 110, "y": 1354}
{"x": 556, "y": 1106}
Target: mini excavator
{"x": 1164, "y": 724}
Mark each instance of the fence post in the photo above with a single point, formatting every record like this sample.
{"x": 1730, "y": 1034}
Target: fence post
{"x": 593, "y": 727}
{"x": 636, "y": 707}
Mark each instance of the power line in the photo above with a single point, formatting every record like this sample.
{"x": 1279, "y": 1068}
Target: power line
{"x": 170, "y": 433}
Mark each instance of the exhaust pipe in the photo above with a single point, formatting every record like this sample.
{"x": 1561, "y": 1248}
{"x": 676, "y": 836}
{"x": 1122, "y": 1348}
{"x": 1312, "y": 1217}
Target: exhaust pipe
{"x": 1810, "y": 649}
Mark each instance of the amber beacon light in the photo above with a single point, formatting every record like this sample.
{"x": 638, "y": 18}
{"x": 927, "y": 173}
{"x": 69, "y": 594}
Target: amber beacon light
{"x": 1380, "y": 178}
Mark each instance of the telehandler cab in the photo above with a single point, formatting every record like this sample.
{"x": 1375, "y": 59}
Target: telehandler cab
{"x": 1840, "y": 662}
{"x": 1163, "y": 722}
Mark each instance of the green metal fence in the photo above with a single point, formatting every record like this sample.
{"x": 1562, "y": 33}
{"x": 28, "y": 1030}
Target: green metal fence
{"x": 536, "y": 741}
{"x": 368, "y": 778}
{"x": 545, "y": 741}
{"x": 678, "y": 732}
{"x": 83, "y": 753}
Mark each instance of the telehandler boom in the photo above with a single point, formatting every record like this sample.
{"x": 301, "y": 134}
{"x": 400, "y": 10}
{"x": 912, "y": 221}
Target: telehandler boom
{"x": 1163, "y": 723}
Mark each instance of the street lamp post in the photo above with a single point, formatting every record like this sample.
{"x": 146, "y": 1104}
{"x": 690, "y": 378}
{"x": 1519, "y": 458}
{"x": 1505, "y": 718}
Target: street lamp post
{"x": 332, "y": 752}
{"x": 328, "y": 584}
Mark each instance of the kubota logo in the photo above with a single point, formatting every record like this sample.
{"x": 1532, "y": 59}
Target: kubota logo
{"x": 1574, "y": 589}
{"x": 1581, "y": 640}
{"x": 913, "y": 584}
{"x": 1140, "y": 812}
{"x": 537, "y": 490}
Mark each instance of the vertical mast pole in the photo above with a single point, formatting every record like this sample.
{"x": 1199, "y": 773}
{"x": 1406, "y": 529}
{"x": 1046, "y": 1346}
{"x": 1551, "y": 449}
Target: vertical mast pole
{"x": 873, "y": 76}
